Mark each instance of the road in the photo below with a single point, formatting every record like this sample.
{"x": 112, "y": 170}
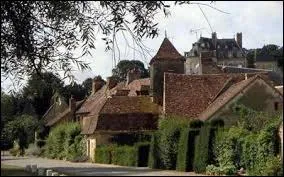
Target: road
{"x": 88, "y": 169}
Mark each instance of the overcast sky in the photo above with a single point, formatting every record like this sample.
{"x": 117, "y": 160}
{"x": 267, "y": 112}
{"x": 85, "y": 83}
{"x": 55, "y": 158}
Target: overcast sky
{"x": 260, "y": 23}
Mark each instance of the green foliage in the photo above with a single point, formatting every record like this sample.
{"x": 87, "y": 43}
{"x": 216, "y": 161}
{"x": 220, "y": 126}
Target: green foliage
{"x": 201, "y": 150}
{"x": 130, "y": 138}
{"x": 103, "y": 154}
{"x": 196, "y": 123}
{"x": 186, "y": 150}
{"x": 154, "y": 154}
{"x": 215, "y": 171}
{"x": 33, "y": 150}
{"x": 65, "y": 142}
{"x": 22, "y": 128}
{"x": 125, "y": 65}
{"x": 217, "y": 123}
{"x": 125, "y": 156}
{"x": 255, "y": 151}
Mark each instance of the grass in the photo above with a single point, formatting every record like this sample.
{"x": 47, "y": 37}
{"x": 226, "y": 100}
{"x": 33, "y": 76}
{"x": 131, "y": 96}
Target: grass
{"x": 9, "y": 170}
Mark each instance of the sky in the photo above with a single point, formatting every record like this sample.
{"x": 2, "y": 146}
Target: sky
{"x": 261, "y": 22}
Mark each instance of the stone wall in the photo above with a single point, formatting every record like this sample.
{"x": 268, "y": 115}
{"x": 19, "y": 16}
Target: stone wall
{"x": 157, "y": 71}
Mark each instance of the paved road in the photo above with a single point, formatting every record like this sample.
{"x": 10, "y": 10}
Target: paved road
{"x": 88, "y": 169}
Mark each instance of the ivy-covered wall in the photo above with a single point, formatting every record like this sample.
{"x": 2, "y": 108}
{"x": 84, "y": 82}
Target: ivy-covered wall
{"x": 259, "y": 96}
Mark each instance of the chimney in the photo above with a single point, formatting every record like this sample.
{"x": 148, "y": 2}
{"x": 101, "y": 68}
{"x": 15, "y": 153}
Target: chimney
{"x": 98, "y": 82}
{"x": 214, "y": 39}
{"x": 132, "y": 75}
{"x": 239, "y": 39}
{"x": 111, "y": 82}
{"x": 72, "y": 104}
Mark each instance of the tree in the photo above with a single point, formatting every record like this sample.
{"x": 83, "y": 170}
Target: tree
{"x": 41, "y": 36}
{"x": 40, "y": 89}
{"x": 87, "y": 85}
{"x": 76, "y": 90}
{"x": 124, "y": 66}
{"x": 22, "y": 128}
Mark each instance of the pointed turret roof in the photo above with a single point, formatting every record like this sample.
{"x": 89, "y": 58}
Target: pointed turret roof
{"x": 167, "y": 51}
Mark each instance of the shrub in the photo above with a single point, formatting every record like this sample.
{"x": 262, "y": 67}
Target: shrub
{"x": 154, "y": 154}
{"x": 103, "y": 154}
{"x": 196, "y": 123}
{"x": 125, "y": 156}
{"x": 33, "y": 150}
{"x": 201, "y": 150}
{"x": 186, "y": 149}
{"x": 40, "y": 143}
{"x": 15, "y": 151}
{"x": 217, "y": 123}
{"x": 222, "y": 170}
{"x": 130, "y": 138}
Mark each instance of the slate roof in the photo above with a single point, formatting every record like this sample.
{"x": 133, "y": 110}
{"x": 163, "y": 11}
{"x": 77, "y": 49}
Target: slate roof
{"x": 167, "y": 52}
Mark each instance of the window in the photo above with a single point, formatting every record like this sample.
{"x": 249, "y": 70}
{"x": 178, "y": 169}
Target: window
{"x": 276, "y": 106}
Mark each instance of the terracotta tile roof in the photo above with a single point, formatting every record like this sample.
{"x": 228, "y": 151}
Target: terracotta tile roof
{"x": 66, "y": 112}
{"x": 189, "y": 95}
{"x": 225, "y": 98}
{"x": 137, "y": 85}
{"x": 167, "y": 51}
{"x": 126, "y": 104}
{"x": 92, "y": 101}
{"x": 230, "y": 93}
{"x": 127, "y": 122}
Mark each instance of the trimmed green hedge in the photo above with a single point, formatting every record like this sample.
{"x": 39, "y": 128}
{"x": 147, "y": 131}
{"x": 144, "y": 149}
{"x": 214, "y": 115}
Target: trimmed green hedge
{"x": 186, "y": 149}
{"x": 154, "y": 154}
{"x": 103, "y": 154}
{"x": 201, "y": 150}
{"x": 136, "y": 155}
{"x": 125, "y": 156}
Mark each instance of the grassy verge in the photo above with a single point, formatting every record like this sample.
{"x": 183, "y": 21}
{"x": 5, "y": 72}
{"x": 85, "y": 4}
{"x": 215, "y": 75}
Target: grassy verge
{"x": 9, "y": 170}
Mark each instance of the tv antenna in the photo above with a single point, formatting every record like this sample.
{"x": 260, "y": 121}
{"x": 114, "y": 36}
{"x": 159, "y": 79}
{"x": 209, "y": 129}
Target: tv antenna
{"x": 195, "y": 31}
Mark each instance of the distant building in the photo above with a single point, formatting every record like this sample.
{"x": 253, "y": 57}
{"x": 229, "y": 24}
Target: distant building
{"x": 224, "y": 52}
{"x": 266, "y": 62}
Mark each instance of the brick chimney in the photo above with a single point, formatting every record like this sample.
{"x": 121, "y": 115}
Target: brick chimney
{"x": 98, "y": 82}
{"x": 239, "y": 39}
{"x": 132, "y": 75}
{"x": 111, "y": 82}
{"x": 214, "y": 39}
{"x": 72, "y": 104}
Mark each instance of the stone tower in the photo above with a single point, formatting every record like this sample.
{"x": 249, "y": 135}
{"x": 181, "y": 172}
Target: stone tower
{"x": 167, "y": 59}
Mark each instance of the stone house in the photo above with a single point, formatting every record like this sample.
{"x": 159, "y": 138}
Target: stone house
{"x": 266, "y": 62}
{"x": 227, "y": 52}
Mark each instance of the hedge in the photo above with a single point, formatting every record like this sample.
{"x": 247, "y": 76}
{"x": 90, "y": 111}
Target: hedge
{"x": 201, "y": 150}
{"x": 186, "y": 149}
{"x": 154, "y": 154}
{"x": 136, "y": 155}
{"x": 125, "y": 156}
{"x": 103, "y": 154}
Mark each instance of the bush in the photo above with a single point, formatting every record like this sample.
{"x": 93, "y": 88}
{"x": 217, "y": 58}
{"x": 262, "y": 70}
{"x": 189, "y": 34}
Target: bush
{"x": 125, "y": 156}
{"x": 33, "y": 150}
{"x": 40, "y": 143}
{"x": 201, "y": 150}
{"x": 186, "y": 149}
{"x": 103, "y": 154}
{"x": 196, "y": 123}
{"x": 15, "y": 151}
{"x": 154, "y": 154}
{"x": 217, "y": 123}
{"x": 65, "y": 142}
